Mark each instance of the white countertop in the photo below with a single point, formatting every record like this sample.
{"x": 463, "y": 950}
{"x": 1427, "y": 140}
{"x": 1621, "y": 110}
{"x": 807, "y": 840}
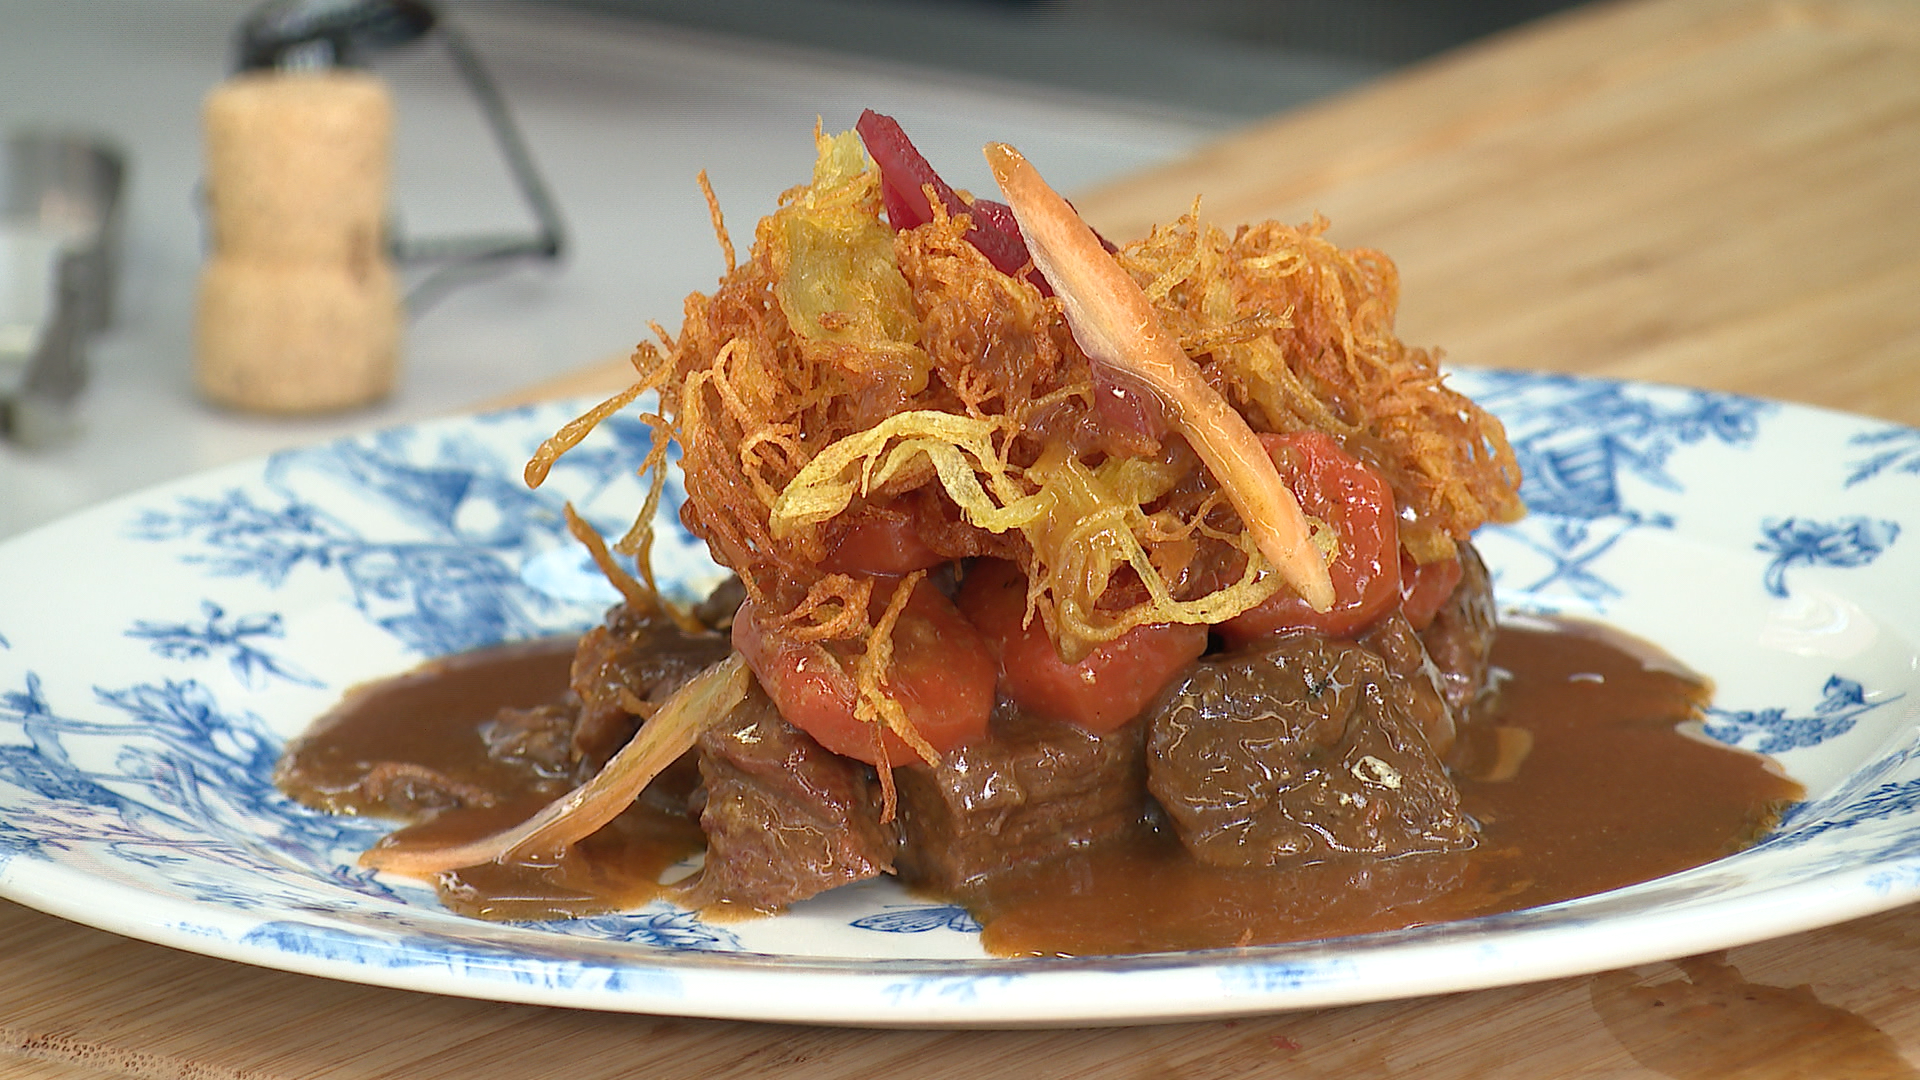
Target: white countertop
{"x": 621, "y": 116}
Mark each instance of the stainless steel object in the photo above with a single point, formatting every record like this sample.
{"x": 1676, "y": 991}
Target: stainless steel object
{"x": 60, "y": 213}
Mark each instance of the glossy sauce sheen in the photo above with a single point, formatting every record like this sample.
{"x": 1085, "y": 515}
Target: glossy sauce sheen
{"x": 1615, "y": 788}
{"x": 433, "y": 717}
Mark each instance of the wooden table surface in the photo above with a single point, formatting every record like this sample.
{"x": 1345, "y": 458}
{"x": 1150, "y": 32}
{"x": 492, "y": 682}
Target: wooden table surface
{"x": 1723, "y": 193}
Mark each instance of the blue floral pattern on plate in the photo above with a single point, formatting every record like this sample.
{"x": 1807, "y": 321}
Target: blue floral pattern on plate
{"x": 156, "y": 653}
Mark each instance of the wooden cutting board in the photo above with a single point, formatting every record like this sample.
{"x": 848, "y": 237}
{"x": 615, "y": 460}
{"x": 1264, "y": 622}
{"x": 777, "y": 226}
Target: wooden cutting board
{"x": 1723, "y": 193}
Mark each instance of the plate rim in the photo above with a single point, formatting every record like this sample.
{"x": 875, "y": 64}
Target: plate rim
{"x": 1779, "y": 910}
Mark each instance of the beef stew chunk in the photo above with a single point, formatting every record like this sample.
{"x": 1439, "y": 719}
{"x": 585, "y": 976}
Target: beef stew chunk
{"x": 1420, "y": 684}
{"x": 1298, "y": 749}
{"x": 718, "y": 609}
{"x": 1460, "y": 638}
{"x": 784, "y": 817}
{"x": 1034, "y": 790}
{"x": 403, "y": 789}
{"x": 628, "y": 662}
{"x": 537, "y": 740}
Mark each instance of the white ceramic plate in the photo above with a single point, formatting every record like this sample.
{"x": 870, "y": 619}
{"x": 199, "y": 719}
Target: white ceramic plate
{"x": 155, "y": 654}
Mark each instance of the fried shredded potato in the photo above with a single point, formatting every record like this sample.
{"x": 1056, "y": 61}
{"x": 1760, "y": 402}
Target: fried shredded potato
{"x": 845, "y": 364}
{"x": 1115, "y": 323}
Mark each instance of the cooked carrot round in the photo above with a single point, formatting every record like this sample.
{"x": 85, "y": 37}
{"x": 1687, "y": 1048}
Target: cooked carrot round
{"x": 1356, "y": 502}
{"x": 942, "y": 676}
{"x": 1105, "y": 689}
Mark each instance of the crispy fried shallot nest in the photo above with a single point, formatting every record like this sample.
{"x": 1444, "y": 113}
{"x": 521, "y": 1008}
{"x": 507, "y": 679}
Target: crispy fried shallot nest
{"x": 849, "y": 377}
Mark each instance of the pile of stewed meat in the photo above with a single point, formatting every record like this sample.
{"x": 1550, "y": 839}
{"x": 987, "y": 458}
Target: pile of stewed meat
{"x": 1290, "y": 749}
{"x": 1293, "y": 785}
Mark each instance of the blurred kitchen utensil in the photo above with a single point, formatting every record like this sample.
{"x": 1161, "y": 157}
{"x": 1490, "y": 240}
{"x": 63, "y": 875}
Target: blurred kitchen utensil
{"x": 59, "y": 258}
{"x": 306, "y": 34}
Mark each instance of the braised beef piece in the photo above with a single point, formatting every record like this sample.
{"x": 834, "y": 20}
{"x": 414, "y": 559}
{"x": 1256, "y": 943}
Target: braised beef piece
{"x": 1034, "y": 789}
{"x": 538, "y": 740}
{"x": 406, "y": 790}
{"x": 718, "y": 609}
{"x": 631, "y": 661}
{"x": 1419, "y": 683}
{"x": 1296, "y": 749}
{"x": 1460, "y": 638}
{"x": 784, "y": 817}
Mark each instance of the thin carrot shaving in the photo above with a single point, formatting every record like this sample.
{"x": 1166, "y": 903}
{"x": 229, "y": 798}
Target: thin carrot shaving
{"x": 634, "y": 705}
{"x": 1113, "y": 320}
{"x": 834, "y": 609}
{"x": 889, "y": 792}
{"x": 719, "y": 221}
{"x": 873, "y": 705}
{"x": 639, "y": 597}
{"x": 573, "y": 431}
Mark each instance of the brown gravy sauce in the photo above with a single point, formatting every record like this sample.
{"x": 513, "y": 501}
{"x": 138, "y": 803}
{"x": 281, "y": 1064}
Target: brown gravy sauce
{"x": 1616, "y": 787}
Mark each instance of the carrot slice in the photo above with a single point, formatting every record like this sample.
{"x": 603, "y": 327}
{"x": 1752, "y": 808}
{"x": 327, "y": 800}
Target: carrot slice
{"x": 576, "y": 815}
{"x": 1115, "y": 324}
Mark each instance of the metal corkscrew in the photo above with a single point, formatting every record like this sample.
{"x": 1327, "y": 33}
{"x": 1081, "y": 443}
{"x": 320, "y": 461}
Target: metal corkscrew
{"x": 310, "y": 34}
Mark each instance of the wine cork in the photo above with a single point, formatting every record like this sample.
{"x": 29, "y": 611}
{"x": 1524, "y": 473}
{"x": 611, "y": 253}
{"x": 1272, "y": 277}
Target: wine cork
{"x": 299, "y": 308}
{"x": 297, "y": 165}
{"x": 296, "y": 337}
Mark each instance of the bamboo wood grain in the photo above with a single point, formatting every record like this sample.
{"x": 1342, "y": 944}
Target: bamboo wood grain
{"x": 1724, "y": 193}
{"x": 82, "y": 1003}
{"x": 1720, "y": 193}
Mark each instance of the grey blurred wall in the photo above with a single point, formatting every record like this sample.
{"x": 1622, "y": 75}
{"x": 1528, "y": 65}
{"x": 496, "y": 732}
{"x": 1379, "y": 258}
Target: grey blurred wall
{"x": 1225, "y": 59}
